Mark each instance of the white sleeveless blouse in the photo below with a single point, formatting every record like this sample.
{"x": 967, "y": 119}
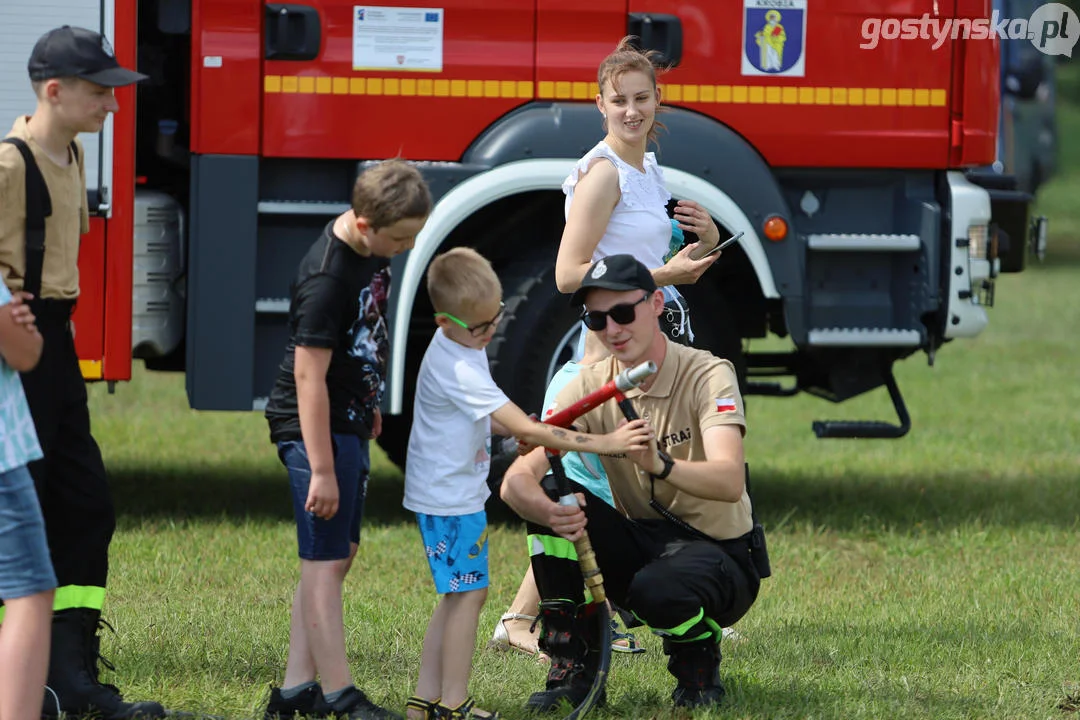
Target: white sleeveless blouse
{"x": 639, "y": 225}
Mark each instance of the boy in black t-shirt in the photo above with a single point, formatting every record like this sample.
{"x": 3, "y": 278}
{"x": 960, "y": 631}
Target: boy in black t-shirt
{"x": 323, "y": 410}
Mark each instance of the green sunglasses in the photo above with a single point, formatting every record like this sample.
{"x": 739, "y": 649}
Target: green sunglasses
{"x": 480, "y": 328}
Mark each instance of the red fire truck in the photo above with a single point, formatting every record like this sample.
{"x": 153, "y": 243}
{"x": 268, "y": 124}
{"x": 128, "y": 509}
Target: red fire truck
{"x": 851, "y": 171}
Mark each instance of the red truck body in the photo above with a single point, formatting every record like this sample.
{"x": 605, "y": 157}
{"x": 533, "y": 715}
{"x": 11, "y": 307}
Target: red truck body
{"x": 274, "y": 118}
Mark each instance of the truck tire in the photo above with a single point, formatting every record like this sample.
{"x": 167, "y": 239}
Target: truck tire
{"x": 538, "y": 334}
{"x": 394, "y": 439}
{"x": 715, "y": 327}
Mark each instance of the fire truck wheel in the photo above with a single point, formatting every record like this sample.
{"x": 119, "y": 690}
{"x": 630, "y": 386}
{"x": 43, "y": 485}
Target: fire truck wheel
{"x": 537, "y": 335}
{"x": 395, "y": 435}
{"x": 715, "y": 328}
{"x": 394, "y": 439}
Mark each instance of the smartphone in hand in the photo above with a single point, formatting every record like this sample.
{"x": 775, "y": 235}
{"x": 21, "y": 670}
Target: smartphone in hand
{"x": 721, "y": 246}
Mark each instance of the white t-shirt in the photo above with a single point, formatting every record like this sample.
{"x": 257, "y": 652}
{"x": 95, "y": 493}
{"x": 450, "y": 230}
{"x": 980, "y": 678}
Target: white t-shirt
{"x": 639, "y": 224}
{"x": 450, "y": 444}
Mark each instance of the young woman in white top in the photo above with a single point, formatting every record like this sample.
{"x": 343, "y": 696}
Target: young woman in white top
{"x": 616, "y": 201}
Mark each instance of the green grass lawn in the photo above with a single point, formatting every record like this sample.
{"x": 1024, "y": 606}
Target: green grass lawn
{"x": 933, "y": 576}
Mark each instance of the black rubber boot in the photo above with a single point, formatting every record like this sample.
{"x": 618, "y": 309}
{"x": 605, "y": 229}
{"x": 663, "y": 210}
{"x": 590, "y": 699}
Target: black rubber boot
{"x": 564, "y": 637}
{"x": 72, "y": 686}
{"x": 696, "y": 667}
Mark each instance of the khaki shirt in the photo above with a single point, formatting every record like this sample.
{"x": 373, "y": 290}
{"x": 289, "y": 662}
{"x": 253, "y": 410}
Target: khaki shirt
{"x": 693, "y": 391}
{"x": 70, "y": 218}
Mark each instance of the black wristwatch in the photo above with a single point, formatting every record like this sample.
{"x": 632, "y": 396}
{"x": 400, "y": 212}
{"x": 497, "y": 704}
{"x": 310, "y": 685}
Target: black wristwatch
{"x": 668, "y": 464}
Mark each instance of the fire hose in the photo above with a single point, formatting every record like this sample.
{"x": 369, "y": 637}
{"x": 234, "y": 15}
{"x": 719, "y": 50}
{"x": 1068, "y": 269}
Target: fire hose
{"x": 590, "y": 571}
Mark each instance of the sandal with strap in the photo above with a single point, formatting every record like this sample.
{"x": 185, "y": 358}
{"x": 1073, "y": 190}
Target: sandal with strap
{"x": 430, "y": 708}
{"x": 467, "y": 710}
{"x": 501, "y": 639}
{"x": 624, "y": 642}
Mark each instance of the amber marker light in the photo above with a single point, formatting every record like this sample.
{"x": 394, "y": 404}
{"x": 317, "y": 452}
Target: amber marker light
{"x": 775, "y": 228}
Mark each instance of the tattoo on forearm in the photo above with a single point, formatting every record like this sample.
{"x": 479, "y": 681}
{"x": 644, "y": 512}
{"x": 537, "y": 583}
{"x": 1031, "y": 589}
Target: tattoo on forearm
{"x": 559, "y": 433}
{"x": 582, "y": 440}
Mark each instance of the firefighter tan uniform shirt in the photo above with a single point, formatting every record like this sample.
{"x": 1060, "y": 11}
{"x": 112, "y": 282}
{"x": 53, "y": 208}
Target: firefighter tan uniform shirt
{"x": 69, "y": 219}
{"x": 693, "y": 391}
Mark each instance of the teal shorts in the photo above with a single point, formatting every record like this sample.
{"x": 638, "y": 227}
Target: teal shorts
{"x": 457, "y": 550}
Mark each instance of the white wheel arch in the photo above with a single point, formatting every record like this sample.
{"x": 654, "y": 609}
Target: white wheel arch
{"x": 524, "y": 176}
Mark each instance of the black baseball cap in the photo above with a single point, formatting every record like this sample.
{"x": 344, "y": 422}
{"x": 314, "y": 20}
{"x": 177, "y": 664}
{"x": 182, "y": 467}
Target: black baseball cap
{"x": 77, "y": 52}
{"x": 615, "y": 272}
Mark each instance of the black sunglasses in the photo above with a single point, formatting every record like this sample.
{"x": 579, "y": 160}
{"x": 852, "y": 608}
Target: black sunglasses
{"x": 622, "y": 314}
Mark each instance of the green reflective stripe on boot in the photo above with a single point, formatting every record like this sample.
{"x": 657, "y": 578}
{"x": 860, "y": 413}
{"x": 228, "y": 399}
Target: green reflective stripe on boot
{"x": 552, "y": 546}
{"x": 79, "y": 596}
{"x": 75, "y": 596}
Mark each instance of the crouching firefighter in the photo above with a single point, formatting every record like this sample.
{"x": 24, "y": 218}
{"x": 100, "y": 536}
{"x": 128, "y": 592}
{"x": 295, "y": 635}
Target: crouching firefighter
{"x": 680, "y": 548}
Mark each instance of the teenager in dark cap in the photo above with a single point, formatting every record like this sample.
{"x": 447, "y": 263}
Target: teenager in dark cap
{"x": 73, "y": 72}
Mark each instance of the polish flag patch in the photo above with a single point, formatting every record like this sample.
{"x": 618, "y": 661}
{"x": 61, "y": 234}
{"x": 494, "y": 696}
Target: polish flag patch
{"x": 726, "y": 405}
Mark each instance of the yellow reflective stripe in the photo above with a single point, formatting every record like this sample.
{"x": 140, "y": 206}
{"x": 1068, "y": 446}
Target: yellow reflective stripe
{"x": 787, "y": 95}
{"x": 552, "y": 546}
{"x": 764, "y": 94}
{"x": 75, "y": 596}
{"x": 407, "y": 87}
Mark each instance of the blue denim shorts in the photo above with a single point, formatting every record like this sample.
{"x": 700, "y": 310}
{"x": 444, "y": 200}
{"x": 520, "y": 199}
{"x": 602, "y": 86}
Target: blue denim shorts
{"x": 25, "y": 567}
{"x": 320, "y": 539}
{"x": 457, "y": 550}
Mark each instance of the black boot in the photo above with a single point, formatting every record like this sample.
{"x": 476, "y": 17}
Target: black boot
{"x": 571, "y": 640}
{"x": 696, "y": 667}
{"x": 73, "y": 686}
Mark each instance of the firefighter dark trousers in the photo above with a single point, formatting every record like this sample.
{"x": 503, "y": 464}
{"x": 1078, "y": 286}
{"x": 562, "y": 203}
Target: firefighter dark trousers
{"x": 71, "y": 482}
{"x": 682, "y": 587}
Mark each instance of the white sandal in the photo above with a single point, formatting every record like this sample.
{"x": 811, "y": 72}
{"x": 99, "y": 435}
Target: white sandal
{"x": 500, "y": 640}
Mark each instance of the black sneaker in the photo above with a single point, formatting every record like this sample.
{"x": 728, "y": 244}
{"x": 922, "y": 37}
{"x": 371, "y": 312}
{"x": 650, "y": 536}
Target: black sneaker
{"x": 306, "y": 703}
{"x": 354, "y": 705}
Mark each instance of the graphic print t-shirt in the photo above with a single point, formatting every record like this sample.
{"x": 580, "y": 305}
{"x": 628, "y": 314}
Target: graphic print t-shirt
{"x": 338, "y": 301}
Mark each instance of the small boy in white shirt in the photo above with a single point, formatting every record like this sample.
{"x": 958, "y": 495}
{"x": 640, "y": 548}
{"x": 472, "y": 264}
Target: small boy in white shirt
{"x": 457, "y": 405}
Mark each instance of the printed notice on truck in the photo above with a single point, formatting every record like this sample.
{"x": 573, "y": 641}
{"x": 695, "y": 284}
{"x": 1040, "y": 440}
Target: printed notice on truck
{"x": 397, "y": 38}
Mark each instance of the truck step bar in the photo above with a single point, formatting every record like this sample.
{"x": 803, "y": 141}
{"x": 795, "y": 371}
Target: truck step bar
{"x": 869, "y": 428}
{"x": 771, "y": 365}
{"x": 272, "y": 306}
{"x": 860, "y": 242}
{"x": 301, "y": 207}
{"x": 864, "y": 337}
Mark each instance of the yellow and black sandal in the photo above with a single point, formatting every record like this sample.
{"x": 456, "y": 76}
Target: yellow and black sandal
{"x": 467, "y": 710}
{"x": 430, "y": 708}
